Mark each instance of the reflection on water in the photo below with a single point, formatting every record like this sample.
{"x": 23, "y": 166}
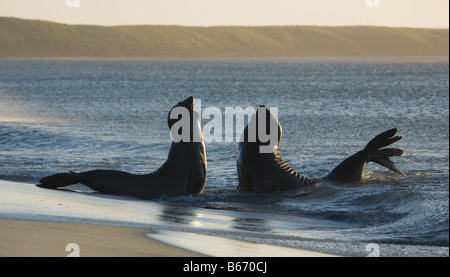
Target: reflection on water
{"x": 251, "y": 224}
{"x": 195, "y": 217}
{"x": 180, "y": 214}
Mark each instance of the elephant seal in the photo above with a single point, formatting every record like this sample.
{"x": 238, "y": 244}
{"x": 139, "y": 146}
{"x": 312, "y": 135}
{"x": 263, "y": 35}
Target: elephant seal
{"x": 267, "y": 172}
{"x": 183, "y": 173}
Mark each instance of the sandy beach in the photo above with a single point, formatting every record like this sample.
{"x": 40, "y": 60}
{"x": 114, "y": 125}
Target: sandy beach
{"x": 48, "y": 239}
{"x": 38, "y": 222}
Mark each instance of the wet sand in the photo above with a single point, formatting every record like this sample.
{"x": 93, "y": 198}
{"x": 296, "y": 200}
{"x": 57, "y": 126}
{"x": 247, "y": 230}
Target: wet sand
{"x": 49, "y": 239}
{"x": 52, "y": 239}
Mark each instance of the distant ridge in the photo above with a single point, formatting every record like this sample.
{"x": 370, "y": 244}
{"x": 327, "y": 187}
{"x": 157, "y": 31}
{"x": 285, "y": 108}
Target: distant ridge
{"x": 35, "y": 38}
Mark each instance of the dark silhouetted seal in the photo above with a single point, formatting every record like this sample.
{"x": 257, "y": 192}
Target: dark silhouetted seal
{"x": 183, "y": 173}
{"x": 265, "y": 171}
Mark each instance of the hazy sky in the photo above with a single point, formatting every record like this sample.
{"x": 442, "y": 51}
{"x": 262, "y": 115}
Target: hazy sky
{"x": 398, "y": 13}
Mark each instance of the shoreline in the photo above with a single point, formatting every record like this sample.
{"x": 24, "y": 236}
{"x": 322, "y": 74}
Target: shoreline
{"x": 55, "y": 239}
{"x": 37, "y": 222}
{"x": 33, "y": 219}
{"x": 51, "y": 239}
{"x": 407, "y": 59}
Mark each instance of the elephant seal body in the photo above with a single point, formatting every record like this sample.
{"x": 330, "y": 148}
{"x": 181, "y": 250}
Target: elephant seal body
{"x": 267, "y": 172}
{"x": 183, "y": 173}
{"x": 263, "y": 170}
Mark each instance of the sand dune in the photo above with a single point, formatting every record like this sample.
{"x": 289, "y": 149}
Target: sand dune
{"x": 34, "y": 38}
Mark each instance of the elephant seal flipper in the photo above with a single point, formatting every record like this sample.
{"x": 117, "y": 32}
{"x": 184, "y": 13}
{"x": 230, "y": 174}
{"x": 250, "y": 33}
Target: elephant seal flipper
{"x": 351, "y": 169}
{"x": 59, "y": 180}
{"x": 183, "y": 173}
{"x": 382, "y": 157}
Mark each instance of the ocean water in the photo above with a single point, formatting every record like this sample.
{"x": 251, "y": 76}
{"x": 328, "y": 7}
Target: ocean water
{"x": 82, "y": 114}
